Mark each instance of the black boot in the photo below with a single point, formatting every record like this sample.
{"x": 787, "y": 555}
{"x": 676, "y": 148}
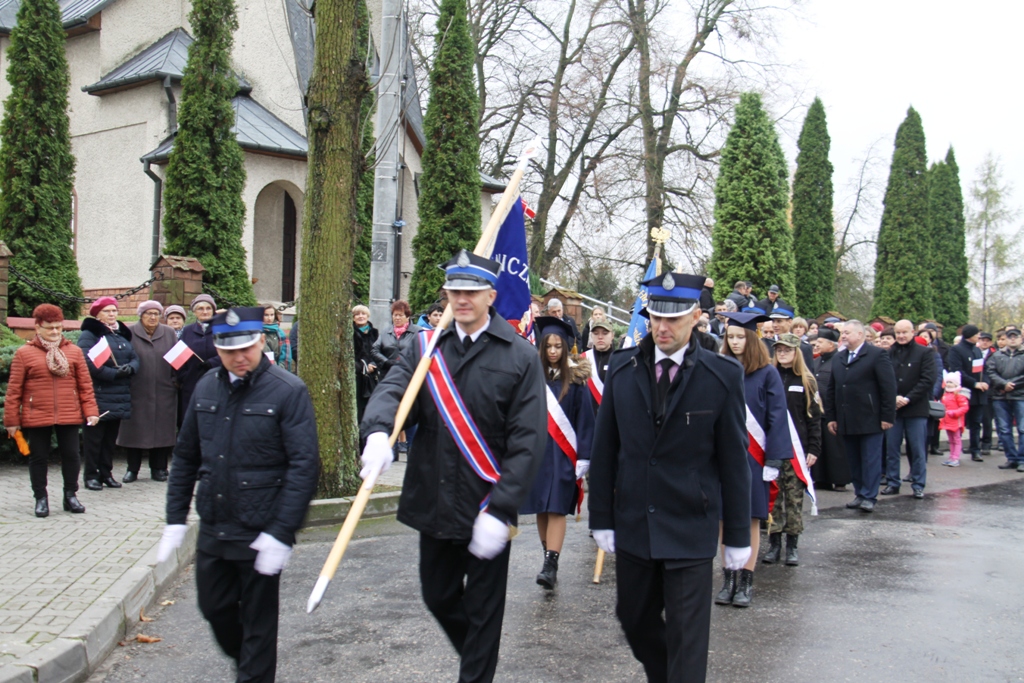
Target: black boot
{"x": 725, "y": 595}
{"x": 774, "y": 548}
{"x": 744, "y": 589}
{"x": 71, "y": 503}
{"x": 159, "y": 475}
{"x": 792, "y": 559}
{"x": 548, "y": 576}
{"x": 43, "y": 507}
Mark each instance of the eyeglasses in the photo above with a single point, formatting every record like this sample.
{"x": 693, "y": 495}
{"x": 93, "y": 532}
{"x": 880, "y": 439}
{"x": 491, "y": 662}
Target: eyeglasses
{"x": 52, "y": 327}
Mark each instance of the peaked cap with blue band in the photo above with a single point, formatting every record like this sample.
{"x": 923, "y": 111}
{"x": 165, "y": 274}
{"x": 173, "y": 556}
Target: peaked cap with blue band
{"x": 545, "y": 325}
{"x": 748, "y": 319}
{"x": 672, "y": 295}
{"x": 753, "y": 309}
{"x": 467, "y": 271}
{"x": 237, "y": 328}
{"x": 782, "y": 311}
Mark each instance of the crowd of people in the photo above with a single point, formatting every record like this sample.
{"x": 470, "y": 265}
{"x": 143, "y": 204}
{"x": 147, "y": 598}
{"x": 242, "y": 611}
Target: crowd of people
{"x": 117, "y": 383}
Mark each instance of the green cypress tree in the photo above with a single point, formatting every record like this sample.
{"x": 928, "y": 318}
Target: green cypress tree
{"x": 813, "y": 236}
{"x": 903, "y": 287}
{"x": 205, "y": 175}
{"x": 949, "y": 243}
{"x": 37, "y": 168}
{"x": 450, "y": 186}
{"x": 752, "y": 239}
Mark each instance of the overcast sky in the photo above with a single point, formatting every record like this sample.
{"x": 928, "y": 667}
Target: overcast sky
{"x": 956, "y": 64}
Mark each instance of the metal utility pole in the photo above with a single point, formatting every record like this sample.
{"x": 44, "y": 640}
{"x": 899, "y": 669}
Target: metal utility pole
{"x": 383, "y": 255}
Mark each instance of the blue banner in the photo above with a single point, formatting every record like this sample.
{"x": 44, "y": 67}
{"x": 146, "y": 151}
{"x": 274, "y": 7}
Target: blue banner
{"x": 639, "y": 326}
{"x": 514, "y": 279}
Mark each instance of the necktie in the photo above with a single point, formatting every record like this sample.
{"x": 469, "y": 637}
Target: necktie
{"x": 467, "y": 343}
{"x": 665, "y": 380}
{"x": 236, "y": 383}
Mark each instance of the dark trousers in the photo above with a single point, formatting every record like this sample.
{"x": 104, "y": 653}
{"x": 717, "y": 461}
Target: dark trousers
{"x": 916, "y": 431}
{"x": 157, "y": 458}
{"x": 39, "y": 448}
{"x": 974, "y": 416}
{"x": 470, "y": 614}
{"x": 674, "y": 648}
{"x": 988, "y": 414}
{"x": 241, "y": 606}
{"x": 864, "y": 453}
{"x": 99, "y": 443}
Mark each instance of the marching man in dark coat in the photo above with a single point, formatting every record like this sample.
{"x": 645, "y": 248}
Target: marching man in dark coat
{"x": 249, "y": 438}
{"x": 668, "y": 470}
{"x": 463, "y": 495}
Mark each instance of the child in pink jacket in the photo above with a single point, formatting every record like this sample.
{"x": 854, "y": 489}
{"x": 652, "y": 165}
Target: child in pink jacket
{"x": 957, "y": 406}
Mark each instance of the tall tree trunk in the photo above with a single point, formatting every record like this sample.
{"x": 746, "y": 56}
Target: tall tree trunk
{"x": 330, "y": 234}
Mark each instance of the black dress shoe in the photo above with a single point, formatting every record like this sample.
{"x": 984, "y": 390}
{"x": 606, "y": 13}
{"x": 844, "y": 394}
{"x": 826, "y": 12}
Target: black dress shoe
{"x": 918, "y": 494}
{"x": 71, "y": 503}
{"x": 890, "y": 491}
{"x": 867, "y": 506}
{"x": 158, "y": 475}
{"x": 855, "y": 503}
{"x": 129, "y": 477}
{"x": 934, "y": 451}
{"x": 977, "y": 458}
{"x": 42, "y": 507}
{"x": 111, "y": 483}
{"x": 93, "y": 484}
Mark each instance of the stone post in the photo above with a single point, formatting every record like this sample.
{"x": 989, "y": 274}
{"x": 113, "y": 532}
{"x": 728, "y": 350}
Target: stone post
{"x": 5, "y": 262}
{"x": 180, "y": 280}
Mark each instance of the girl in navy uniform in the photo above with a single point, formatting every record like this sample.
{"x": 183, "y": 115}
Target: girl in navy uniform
{"x": 554, "y": 493}
{"x": 766, "y": 401}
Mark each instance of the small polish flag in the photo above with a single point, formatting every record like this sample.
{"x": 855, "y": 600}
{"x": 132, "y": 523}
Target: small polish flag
{"x": 178, "y": 355}
{"x": 270, "y": 357}
{"x": 100, "y": 353}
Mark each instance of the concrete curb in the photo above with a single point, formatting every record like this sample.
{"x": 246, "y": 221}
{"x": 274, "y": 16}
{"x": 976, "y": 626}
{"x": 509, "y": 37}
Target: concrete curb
{"x": 331, "y": 511}
{"x": 83, "y": 645}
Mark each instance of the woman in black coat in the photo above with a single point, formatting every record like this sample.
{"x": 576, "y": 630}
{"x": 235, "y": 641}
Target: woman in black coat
{"x": 396, "y": 339}
{"x": 831, "y": 471}
{"x": 111, "y": 383}
{"x": 364, "y": 336}
{"x": 804, "y": 406}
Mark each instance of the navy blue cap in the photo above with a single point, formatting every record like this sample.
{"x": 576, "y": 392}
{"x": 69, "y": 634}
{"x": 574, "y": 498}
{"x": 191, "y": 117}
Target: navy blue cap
{"x": 782, "y": 311}
{"x": 467, "y": 271}
{"x": 237, "y": 328}
{"x": 753, "y": 309}
{"x": 747, "y": 319}
{"x": 548, "y": 324}
{"x": 673, "y": 294}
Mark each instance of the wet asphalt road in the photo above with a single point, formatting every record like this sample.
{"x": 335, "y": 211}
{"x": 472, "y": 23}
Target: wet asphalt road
{"x": 919, "y": 591}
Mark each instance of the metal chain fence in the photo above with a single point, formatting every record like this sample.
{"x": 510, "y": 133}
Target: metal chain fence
{"x": 231, "y": 304}
{"x": 76, "y": 299}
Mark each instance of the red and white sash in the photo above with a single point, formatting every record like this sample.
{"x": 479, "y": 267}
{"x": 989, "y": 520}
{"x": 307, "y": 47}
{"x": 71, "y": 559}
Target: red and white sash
{"x": 560, "y": 429}
{"x": 458, "y": 419}
{"x": 756, "y": 450}
{"x": 594, "y": 382}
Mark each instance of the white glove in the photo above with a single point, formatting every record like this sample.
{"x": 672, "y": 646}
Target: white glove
{"x": 605, "y": 539}
{"x": 736, "y": 558}
{"x": 272, "y": 556}
{"x": 582, "y": 467}
{"x": 170, "y": 540}
{"x": 377, "y": 455}
{"x": 770, "y": 473}
{"x": 490, "y": 535}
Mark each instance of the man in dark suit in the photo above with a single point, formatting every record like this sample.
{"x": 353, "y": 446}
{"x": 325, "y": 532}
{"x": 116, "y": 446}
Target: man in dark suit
{"x": 860, "y": 404}
{"x": 967, "y": 359}
{"x": 915, "y": 370}
{"x": 669, "y": 461}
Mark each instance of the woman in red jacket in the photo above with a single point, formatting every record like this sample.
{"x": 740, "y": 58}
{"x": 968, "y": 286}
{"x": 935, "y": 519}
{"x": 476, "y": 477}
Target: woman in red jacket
{"x": 50, "y": 390}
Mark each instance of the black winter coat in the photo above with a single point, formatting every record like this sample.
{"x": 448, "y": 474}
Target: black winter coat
{"x": 807, "y": 428}
{"x": 969, "y": 361}
{"x": 915, "y": 370}
{"x": 832, "y": 468}
{"x": 1002, "y": 367}
{"x": 362, "y": 344}
{"x": 388, "y": 347}
{"x": 502, "y": 384}
{"x": 861, "y": 395}
{"x": 113, "y": 394}
{"x": 206, "y": 358}
{"x": 253, "y": 450}
{"x": 664, "y": 489}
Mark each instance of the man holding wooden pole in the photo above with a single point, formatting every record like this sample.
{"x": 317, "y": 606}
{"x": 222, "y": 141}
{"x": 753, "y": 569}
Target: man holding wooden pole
{"x": 481, "y": 418}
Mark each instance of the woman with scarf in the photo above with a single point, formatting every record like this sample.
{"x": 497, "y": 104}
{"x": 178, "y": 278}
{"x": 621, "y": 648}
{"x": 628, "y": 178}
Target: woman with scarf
{"x": 198, "y": 338}
{"x": 364, "y": 336}
{"x": 111, "y": 383}
{"x": 766, "y": 403}
{"x": 275, "y": 341}
{"x": 174, "y": 317}
{"x": 554, "y": 493}
{"x": 50, "y": 392}
{"x": 398, "y": 338}
{"x": 153, "y": 426}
